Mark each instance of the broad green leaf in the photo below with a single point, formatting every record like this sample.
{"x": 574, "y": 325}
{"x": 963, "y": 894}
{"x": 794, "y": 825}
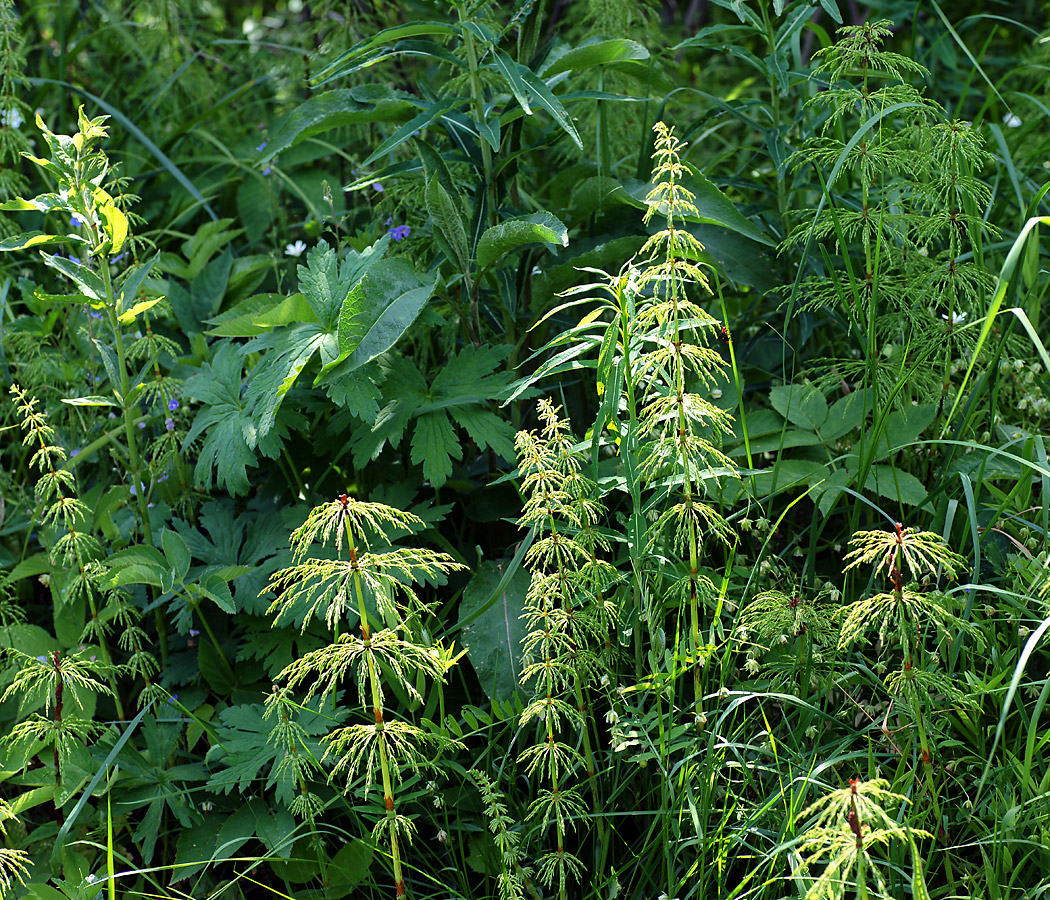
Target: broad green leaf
{"x": 904, "y": 426}
{"x": 332, "y": 109}
{"x": 176, "y": 552}
{"x": 895, "y": 484}
{"x": 327, "y": 284}
{"x": 293, "y": 308}
{"x": 594, "y": 52}
{"x": 540, "y": 227}
{"x": 218, "y": 590}
{"x": 801, "y": 404}
{"x": 393, "y": 295}
{"x": 495, "y": 627}
{"x": 434, "y": 444}
{"x": 845, "y": 414}
{"x": 252, "y": 315}
{"x": 349, "y": 867}
{"x": 90, "y": 283}
{"x": 225, "y": 415}
{"x": 139, "y": 564}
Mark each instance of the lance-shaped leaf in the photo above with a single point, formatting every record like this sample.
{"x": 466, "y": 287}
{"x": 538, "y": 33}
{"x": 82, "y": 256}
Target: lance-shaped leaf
{"x": 337, "y": 67}
{"x": 334, "y": 109}
{"x": 90, "y": 283}
{"x": 31, "y": 239}
{"x": 594, "y": 52}
{"x": 448, "y": 221}
{"x": 540, "y": 227}
{"x": 115, "y": 223}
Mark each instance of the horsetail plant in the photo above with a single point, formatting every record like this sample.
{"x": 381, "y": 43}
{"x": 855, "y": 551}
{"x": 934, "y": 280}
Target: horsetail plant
{"x": 677, "y": 423}
{"x": 906, "y": 619}
{"x": 848, "y": 824}
{"x": 372, "y": 581}
{"x": 565, "y": 621}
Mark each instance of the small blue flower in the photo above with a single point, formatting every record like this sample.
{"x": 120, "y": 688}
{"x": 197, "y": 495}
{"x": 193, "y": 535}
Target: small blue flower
{"x": 266, "y": 171}
{"x": 142, "y": 425}
{"x": 75, "y": 222}
{"x": 94, "y": 315}
{"x": 173, "y": 699}
{"x": 400, "y": 232}
{"x": 73, "y": 259}
{"x": 116, "y": 258}
{"x": 261, "y": 147}
{"x": 378, "y": 187}
{"x": 173, "y": 404}
{"x": 169, "y": 424}
{"x": 73, "y": 452}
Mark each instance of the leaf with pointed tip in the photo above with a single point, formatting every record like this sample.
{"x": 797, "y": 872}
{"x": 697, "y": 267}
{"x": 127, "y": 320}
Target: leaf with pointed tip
{"x": 332, "y": 109}
{"x": 32, "y": 239}
{"x": 594, "y": 52}
{"x": 540, "y": 227}
{"x": 90, "y": 283}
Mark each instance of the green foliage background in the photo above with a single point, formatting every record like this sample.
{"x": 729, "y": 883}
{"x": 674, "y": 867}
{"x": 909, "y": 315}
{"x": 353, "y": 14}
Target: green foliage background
{"x": 474, "y": 449}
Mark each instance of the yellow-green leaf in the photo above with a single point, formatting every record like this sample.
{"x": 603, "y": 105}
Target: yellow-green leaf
{"x": 128, "y": 316}
{"x": 116, "y": 223}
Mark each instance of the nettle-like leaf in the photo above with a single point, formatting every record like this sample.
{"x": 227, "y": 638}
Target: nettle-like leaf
{"x": 458, "y": 395}
{"x": 233, "y": 441}
{"x": 359, "y": 307}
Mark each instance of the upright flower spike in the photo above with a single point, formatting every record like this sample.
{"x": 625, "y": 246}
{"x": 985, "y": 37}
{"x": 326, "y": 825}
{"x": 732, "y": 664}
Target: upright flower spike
{"x": 336, "y": 589}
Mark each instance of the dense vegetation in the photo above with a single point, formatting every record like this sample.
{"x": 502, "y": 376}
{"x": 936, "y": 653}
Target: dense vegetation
{"x": 475, "y": 449}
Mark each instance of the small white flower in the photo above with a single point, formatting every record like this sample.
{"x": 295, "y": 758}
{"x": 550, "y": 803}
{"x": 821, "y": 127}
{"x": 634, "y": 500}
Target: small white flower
{"x": 442, "y": 836}
{"x": 295, "y": 249}
{"x": 12, "y": 118}
{"x": 1012, "y": 121}
{"x": 716, "y": 393}
{"x": 956, "y": 319}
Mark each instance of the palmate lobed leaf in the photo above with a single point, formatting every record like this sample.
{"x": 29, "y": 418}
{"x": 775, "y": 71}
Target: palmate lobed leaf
{"x": 462, "y": 389}
{"x": 232, "y": 436}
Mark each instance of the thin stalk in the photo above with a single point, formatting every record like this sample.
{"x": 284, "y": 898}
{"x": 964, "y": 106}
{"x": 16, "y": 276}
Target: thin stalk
{"x": 377, "y": 712}
{"x": 134, "y": 459}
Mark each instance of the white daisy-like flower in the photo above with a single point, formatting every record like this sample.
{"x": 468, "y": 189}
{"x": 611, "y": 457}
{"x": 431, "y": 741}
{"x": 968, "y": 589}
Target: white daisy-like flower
{"x": 295, "y": 249}
{"x": 956, "y": 318}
